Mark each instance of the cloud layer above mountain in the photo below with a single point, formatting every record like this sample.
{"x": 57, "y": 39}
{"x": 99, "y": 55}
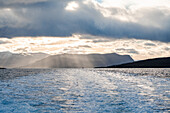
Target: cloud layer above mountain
{"x": 107, "y": 18}
{"x": 81, "y": 44}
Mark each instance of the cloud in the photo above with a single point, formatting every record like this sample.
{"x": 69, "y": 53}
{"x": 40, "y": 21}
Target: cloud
{"x": 150, "y": 44}
{"x": 107, "y": 18}
{"x": 78, "y": 45}
{"x": 84, "y": 46}
{"x": 100, "y": 40}
{"x": 122, "y": 50}
{"x": 72, "y": 6}
{"x": 16, "y": 2}
{"x": 4, "y": 42}
{"x": 167, "y": 48}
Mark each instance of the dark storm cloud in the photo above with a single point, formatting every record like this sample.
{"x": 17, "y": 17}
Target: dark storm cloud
{"x": 49, "y": 18}
{"x": 15, "y": 2}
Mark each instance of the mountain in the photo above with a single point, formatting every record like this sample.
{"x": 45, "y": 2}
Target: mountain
{"x": 80, "y": 61}
{"x": 11, "y": 60}
{"x": 150, "y": 63}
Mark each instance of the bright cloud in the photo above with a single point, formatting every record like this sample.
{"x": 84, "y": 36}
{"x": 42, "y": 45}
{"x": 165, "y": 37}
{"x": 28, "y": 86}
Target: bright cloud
{"x": 148, "y": 13}
{"x": 80, "y": 44}
{"x": 72, "y": 6}
{"x": 136, "y": 3}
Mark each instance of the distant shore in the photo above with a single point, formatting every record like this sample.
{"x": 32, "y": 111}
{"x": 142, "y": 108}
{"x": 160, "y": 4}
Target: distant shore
{"x": 149, "y": 63}
{"x": 2, "y": 68}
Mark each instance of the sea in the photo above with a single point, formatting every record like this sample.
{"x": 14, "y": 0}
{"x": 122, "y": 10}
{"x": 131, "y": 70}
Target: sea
{"x": 81, "y": 90}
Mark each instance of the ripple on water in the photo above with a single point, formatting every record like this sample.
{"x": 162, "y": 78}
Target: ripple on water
{"x": 85, "y": 90}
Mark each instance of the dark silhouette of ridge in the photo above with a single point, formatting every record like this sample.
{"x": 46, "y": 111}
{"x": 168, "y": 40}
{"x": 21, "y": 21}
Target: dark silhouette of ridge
{"x": 2, "y": 68}
{"x": 149, "y": 63}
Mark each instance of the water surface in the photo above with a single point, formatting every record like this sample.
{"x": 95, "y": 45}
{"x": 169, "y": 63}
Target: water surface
{"x": 85, "y": 90}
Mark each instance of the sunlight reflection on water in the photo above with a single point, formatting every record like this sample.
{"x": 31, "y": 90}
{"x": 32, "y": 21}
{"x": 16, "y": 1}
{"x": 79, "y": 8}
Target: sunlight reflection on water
{"x": 86, "y": 90}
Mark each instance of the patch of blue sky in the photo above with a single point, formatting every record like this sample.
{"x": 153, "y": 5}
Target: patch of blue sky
{"x": 100, "y": 1}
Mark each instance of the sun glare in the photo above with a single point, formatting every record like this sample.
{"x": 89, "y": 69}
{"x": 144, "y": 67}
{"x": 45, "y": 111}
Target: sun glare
{"x": 72, "y": 6}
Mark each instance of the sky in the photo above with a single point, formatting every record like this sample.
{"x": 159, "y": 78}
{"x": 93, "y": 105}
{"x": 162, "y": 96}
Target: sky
{"x": 133, "y": 27}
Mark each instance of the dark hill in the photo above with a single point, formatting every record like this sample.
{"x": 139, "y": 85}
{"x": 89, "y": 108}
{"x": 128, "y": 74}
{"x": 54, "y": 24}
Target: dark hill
{"x": 150, "y": 63}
